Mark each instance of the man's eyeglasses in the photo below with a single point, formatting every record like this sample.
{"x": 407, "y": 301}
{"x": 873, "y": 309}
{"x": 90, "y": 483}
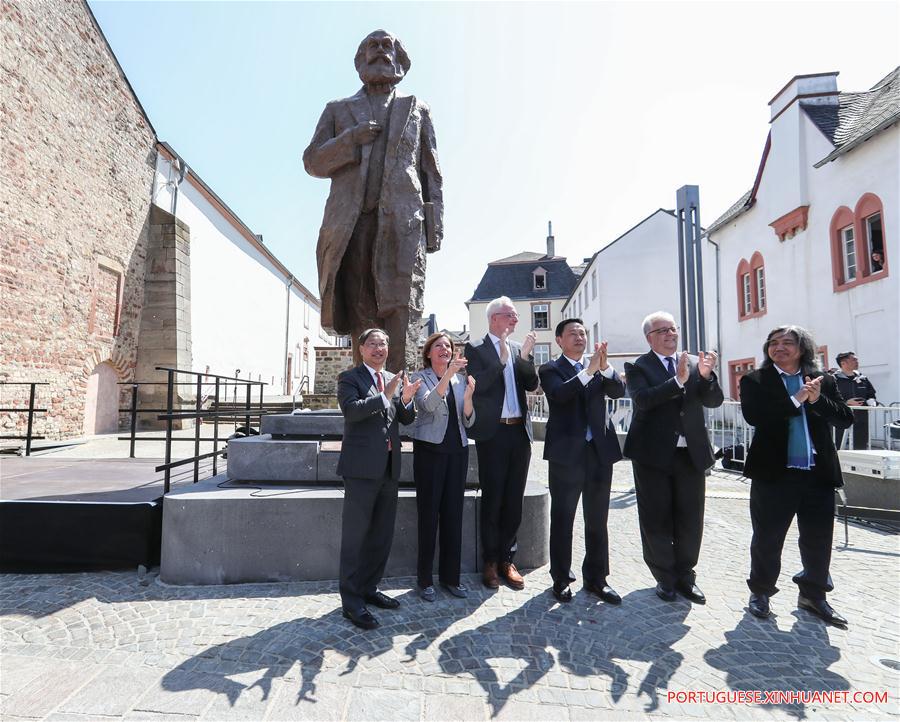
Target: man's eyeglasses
{"x": 512, "y": 314}
{"x": 667, "y": 329}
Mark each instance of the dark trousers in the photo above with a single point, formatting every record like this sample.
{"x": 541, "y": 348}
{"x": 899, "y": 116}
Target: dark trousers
{"x": 773, "y": 505}
{"x": 502, "y": 471}
{"x": 440, "y": 488}
{"x": 367, "y": 530}
{"x": 670, "y": 511}
{"x": 589, "y": 477}
{"x": 860, "y": 431}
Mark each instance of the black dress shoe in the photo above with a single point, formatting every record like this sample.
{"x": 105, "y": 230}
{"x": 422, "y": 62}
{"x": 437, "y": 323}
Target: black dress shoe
{"x": 667, "y": 594}
{"x": 562, "y": 593}
{"x": 759, "y": 605}
{"x": 822, "y": 609}
{"x": 692, "y": 592}
{"x": 606, "y": 593}
{"x": 382, "y": 601}
{"x": 363, "y": 619}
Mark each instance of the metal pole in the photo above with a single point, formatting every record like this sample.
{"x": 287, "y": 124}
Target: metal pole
{"x": 681, "y": 289}
{"x": 701, "y": 315}
{"x": 215, "y": 458}
{"x": 134, "y": 391}
{"x": 170, "y": 399}
{"x": 197, "y": 429}
{"x": 248, "y": 407}
{"x": 30, "y": 420}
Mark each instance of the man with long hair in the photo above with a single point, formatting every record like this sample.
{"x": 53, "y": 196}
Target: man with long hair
{"x": 793, "y": 466}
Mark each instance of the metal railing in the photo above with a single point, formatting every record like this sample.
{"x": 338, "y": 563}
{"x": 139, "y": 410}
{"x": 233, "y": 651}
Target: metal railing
{"x": 29, "y": 411}
{"x": 205, "y": 406}
{"x": 730, "y": 433}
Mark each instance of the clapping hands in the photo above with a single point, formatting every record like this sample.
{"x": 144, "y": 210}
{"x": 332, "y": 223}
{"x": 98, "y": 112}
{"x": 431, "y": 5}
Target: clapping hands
{"x": 810, "y": 391}
{"x": 706, "y": 363}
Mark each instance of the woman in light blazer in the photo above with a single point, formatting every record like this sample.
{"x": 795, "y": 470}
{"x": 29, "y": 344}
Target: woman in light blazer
{"x": 440, "y": 461}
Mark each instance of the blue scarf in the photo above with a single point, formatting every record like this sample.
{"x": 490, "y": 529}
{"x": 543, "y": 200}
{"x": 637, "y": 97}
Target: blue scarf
{"x": 800, "y": 454}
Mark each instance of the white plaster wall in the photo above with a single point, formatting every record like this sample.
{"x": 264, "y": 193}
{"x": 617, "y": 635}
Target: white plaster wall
{"x": 638, "y": 274}
{"x": 798, "y": 270}
{"x": 238, "y": 297}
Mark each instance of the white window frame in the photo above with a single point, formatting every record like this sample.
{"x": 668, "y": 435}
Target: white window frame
{"x": 746, "y": 294}
{"x": 541, "y": 353}
{"x": 760, "y": 287}
{"x": 539, "y": 308}
{"x": 848, "y": 254}
{"x": 594, "y": 284}
{"x": 869, "y": 249}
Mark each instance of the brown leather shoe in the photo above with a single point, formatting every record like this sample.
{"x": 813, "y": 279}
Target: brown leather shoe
{"x": 512, "y": 576}
{"x": 490, "y": 577}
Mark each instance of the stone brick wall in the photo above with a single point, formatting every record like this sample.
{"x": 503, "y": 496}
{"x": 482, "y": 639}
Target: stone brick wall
{"x": 76, "y": 169}
{"x": 330, "y": 361}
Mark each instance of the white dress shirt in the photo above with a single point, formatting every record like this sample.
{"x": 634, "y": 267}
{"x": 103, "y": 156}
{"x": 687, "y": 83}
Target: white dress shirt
{"x": 511, "y": 408}
{"x": 682, "y": 442}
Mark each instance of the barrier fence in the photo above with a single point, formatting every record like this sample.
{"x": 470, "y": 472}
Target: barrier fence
{"x": 29, "y": 412}
{"x": 875, "y": 427}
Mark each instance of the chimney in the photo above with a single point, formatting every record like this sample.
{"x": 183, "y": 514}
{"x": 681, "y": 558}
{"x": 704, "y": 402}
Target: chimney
{"x": 551, "y": 242}
{"x": 816, "y": 89}
{"x": 789, "y": 167}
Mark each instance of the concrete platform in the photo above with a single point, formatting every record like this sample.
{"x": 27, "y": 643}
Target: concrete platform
{"x": 225, "y": 532}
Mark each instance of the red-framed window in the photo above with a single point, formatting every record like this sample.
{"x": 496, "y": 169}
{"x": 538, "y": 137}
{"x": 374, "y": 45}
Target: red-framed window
{"x": 858, "y": 245}
{"x": 751, "y": 287}
{"x": 736, "y": 370}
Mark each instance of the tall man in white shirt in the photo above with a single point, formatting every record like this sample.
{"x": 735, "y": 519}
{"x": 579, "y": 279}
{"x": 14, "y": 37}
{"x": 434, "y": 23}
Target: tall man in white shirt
{"x": 581, "y": 447}
{"x": 670, "y": 450}
{"x": 504, "y": 371}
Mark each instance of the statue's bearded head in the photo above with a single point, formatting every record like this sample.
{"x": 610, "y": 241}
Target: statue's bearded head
{"x": 381, "y": 59}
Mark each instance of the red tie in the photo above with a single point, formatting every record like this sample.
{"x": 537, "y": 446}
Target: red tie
{"x": 379, "y": 384}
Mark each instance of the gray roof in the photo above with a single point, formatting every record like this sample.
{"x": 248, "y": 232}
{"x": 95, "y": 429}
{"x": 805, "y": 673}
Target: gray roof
{"x": 857, "y": 116}
{"x": 742, "y": 204}
{"x": 514, "y": 278}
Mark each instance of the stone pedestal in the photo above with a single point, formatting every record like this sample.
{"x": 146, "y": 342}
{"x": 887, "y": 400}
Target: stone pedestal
{"x": 242, "y": 534}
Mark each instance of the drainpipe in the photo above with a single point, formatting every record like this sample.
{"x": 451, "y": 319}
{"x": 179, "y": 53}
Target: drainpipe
{"x": 718, "y": 301}
{"x": 287, "y": 331}
{"x": 181, "y": 169}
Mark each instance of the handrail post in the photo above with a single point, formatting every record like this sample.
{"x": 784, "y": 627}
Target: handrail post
{"x": 248, "y": 408}
{"x": 215, "y": 457}
{"x": 30, "y": 420}
{"x": 170, "y": 393}
{"x": 197, "y": 406}
{"x": 134, "y": 400}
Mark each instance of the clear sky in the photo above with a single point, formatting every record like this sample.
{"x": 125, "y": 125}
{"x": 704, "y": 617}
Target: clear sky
{"x": 589, "y": 114}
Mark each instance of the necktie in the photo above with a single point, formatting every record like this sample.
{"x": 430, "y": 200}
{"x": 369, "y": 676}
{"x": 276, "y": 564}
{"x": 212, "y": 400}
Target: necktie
{"x": 670, "y": 365}
{"x": 379, "y": 384}
{"x": 509, "y": 382}
{"x": 798, "y": 444}
{"x": 579, "y": 367}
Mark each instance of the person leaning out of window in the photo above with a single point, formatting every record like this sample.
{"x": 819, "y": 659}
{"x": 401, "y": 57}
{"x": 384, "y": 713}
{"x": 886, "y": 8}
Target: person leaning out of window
{"x": 441, "y": 461}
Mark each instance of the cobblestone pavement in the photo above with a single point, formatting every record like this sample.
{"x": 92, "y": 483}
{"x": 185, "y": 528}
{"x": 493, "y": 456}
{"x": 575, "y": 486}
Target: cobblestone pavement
{"x": 101, "y": 646}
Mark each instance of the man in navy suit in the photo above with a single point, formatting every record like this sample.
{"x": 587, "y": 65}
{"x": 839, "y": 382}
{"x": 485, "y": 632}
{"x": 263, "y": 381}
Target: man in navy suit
{"x": 503, "y": 371}
{"x": 669, "y": 448}
{"x": 373, "y": 402}
{"x": 581, "y": 446}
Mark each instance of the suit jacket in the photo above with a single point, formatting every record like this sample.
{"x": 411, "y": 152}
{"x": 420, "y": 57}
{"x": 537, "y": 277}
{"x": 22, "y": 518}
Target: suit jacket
{"x": 432, "y": 413}
{"x": 412, "y": 177}
{"x": 485, "y": 366}
{"x": 662, "y": 411}
{"x": 572, "y": 407}
{"x": 767, "y": 406}
{"x": 368, "y": 425}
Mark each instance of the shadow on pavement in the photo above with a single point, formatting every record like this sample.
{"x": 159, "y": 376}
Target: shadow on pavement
{"x": 587, "y": 636}
{"x": 757, "y": 655}
{"x": 306, "y": 642}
